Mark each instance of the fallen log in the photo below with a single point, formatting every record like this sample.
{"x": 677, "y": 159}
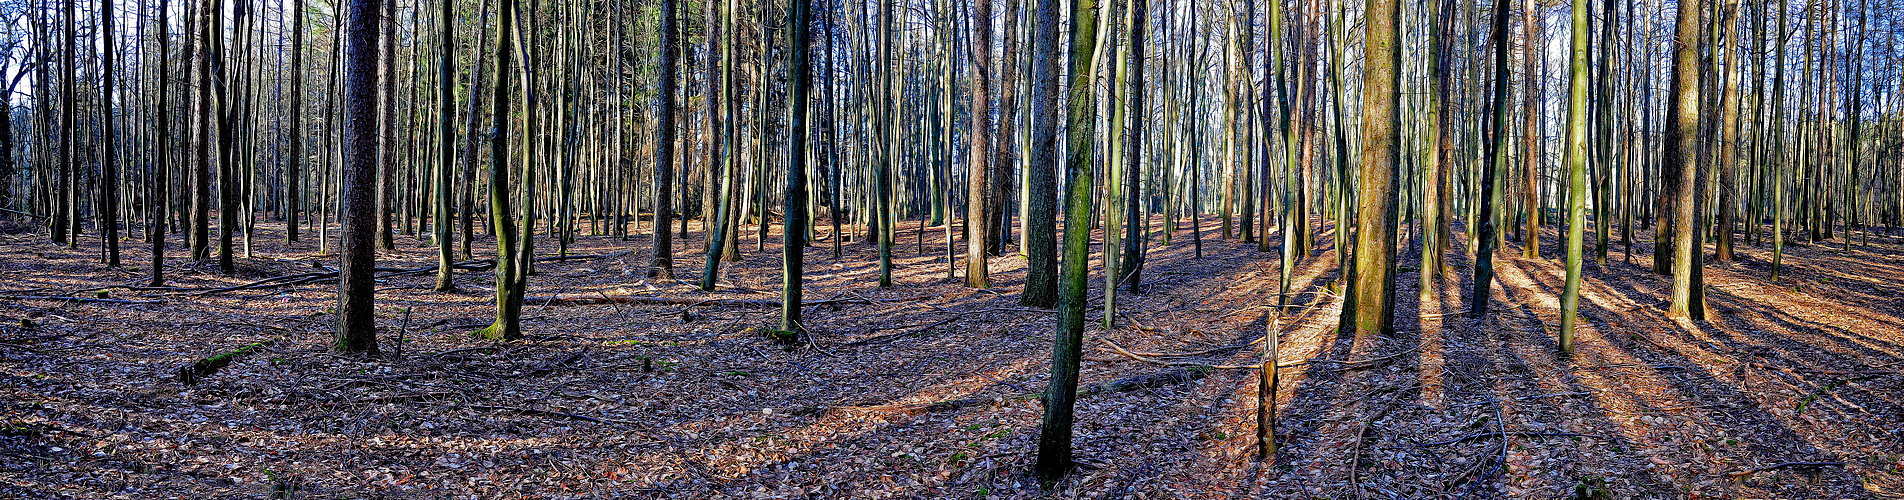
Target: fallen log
{"x": 1153, "y": 380}
{"x": 191, "y": 374}
{"x": 80, "y": 299}
{"x": 599, "y": 298}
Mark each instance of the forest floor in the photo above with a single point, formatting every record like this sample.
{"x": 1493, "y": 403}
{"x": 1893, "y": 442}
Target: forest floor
{"x": 928, "y": 388}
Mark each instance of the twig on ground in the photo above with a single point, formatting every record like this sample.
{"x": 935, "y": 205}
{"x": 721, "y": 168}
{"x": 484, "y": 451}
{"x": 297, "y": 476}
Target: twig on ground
{"x": 1782, "y": 465}
{"x": 1480, "y": 435}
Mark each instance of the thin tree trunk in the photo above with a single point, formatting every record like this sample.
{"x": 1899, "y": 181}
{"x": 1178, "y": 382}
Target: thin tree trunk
{"x": 799, "y": 82}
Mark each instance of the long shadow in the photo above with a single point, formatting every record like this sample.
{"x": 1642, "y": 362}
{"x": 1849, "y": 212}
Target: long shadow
{"x": 1488, "y": 378}
{"x": 1768, "y": 439}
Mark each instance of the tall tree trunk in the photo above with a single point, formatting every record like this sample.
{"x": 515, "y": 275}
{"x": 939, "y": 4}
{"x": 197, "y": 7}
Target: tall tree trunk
{"x": 1369, "y": 307}
{"x": 794, "y": 225}
{"x": 1054, "y": 438}
{"x": 226, "y": 107}
{"x": 445, "y": 145}
{"x": 109, "y": 162}
{"x": 1041, "y": 214}
{"x": 473, "y": 119}
{"x": 718, "y": 241}
{"x": 979, "y": 197}
{"x": 1441, "y": 131}
{"x": 1729, "y": 130}
{"x": 888, "y": 131}
{"x": 1005, "y": 144}
{"x": 1681, "y": 153}
{"x": 294, "y": 169}
{"x": 356, "y": 286}
{"x": 1131, "y": 265}
{"x": 1779, "y": 164}
{"x": 162, "y": 150}
{"x": 1495, "y": 164}
{"x": 69, "y": 211}
{"x": 1533, "y": 57}
{"x": 662, "y": 266}
{"x": 387, "y": 162}
{"x": 1576, "y": 174}
{"x": 508, "y": 323}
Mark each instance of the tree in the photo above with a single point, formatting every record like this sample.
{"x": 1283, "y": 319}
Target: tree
{"x": 663, "y": 264}
{"x": 68, "y": 212}
{"x": 109, "y": 164}
{"x": 1495, "y": 163}
{"x": 1131, "y": 264}
{"x": 1728, "y": 146}
{"x": 979, "y": 198}
{"x": 445, "y": 145}
{"x": 1681, "y": 155}
{"x": 293, "y": 170}
{"x": 1369, "y": 307}
{"x": 1041, "y": 182}
{"x": 162, "y": 153}
{"x": 473, "y": 141}
{"x": 1778, "y": 156}
{"x": 356, "y": 285}
{"x": 794, "y": 225}
{"x": 386, "y": 190}
{"x": 1434, "y": 223}
{"x": 1054, "y": 438}
{"x": 226, "y": 106}
{"x": 1115, "y": 140}
{"x": 203, "y": 130}
{"x": 510, "y": 275}
{"x": 717, "y": 236}
{"x": 1576, "y": 174}
{"x": 1533, "y": 57}
{"x": 888, "y": 129}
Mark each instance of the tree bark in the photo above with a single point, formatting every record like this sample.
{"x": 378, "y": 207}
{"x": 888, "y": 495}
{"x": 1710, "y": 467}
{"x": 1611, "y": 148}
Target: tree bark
{"x": 1041, "y": 214}
{"x": 979, "y": 197}
{"x": 1054, "y": 440}
{"x": 356, "y": 286}
{"x": 1681, "y": 153}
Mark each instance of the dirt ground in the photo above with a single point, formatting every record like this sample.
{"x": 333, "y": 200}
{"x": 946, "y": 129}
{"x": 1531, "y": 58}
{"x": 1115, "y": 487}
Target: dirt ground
{"x": 927, "y": 388}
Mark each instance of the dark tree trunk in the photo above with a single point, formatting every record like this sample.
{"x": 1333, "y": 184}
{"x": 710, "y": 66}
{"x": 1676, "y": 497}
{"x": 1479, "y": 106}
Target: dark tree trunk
{"x": 356, "y": 286}
{"x": 1041, "y": 218}
{"x": 663, "y": 263}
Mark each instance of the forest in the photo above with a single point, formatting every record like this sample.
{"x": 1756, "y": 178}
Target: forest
{"x": 1585, "y": 249}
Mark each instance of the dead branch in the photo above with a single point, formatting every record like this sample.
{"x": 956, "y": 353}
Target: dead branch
{"x": 1782, "y": 465}
{"x": 1489, "y": 434}
{"x": 695, "y": 301}
{"x": 80, "y": 299}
